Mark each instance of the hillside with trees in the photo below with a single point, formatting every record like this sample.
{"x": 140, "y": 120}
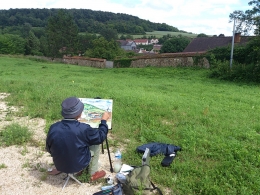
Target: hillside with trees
{"x": 87, "y": 21}
{"x": 59, "y": 32}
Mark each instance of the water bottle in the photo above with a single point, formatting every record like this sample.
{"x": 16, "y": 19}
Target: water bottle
{"x": 107, "y": 187}
{"x": 118, "y": 161}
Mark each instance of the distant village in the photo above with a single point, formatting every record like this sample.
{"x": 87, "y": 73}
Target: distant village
{"x": 131, "y": 45}
{"x": 198, "y": 44}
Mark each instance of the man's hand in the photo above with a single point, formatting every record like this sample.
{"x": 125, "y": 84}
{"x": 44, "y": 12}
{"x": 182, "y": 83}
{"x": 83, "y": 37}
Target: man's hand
{"x": 105, "y": 116}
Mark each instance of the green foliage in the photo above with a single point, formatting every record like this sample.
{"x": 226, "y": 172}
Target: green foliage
{"x": 85, "y": 42}
{"x": 87, "y": 21}
{"x": 248, "y": 20}
{"x": 175, "y": 44}
{"x": 109, "y": 34}
{"x": 245, "y": 66}
{"x": 124, "y": 37}
{"x": 33, "y": 45}
{"x": 21, "y": 30}
{"x": 122, "y": 63}
{"x": 239, "y": 72}
{"x": 84, "y": 177}
{"x": 15, "y": 134}
{"x": 165, "y": 38}
{"x": 2, "y": 166}
{"x": 243, "y": 54}
{"x": 220, "y": 53}
{"x": 214, "y": 121}
{"x": 146, "y": 47}
{"x": 62, "y": 34}
{"x": 104, "y": 49}
{"x": 11, "y": 44}
{"x": 202, "y": 35}
{"x": 43, "y": 45}
{"x": 252, "y": 51}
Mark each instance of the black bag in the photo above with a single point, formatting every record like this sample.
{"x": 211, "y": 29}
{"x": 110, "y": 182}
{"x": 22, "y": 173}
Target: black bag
{"x": 116, "y": 190}
{"x": 167, "y": 160}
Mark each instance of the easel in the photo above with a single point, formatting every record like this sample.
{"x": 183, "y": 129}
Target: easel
{"x": 108, "y": 151}
{"x": 111, "y": 167}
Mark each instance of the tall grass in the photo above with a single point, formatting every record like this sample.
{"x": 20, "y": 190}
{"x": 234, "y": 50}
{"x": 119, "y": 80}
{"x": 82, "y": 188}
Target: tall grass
{"x": 215, "y": 122}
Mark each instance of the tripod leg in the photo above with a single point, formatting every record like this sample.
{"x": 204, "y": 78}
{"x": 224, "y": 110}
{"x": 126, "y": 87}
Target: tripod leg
{"x": 68, "y": 177}
{"x": 102, "y": 148}
{"x": 111, "y": 167}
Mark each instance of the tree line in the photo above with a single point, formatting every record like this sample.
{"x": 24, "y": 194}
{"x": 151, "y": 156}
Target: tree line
{"x": 62, "y": 35}
{"x": 87, "y": 20}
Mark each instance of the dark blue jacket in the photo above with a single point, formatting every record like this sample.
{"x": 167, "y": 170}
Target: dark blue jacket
{"x": 158, "y": 148}
{"x": 68, "y": 143}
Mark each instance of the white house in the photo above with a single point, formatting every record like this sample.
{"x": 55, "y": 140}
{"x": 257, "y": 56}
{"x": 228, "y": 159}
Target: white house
{"x": 154, "y": 41}
{"x": 141, "y": 41}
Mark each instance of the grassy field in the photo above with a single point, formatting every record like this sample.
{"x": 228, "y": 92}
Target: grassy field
{"x": 216, "y": 123}
{"x": 160, "y": 34}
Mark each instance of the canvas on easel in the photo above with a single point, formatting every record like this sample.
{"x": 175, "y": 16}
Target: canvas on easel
{"x": 94, "y": 109}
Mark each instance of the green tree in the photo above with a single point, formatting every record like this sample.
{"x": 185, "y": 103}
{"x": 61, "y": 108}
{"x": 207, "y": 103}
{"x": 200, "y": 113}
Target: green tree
{"x": 248, "y": 20}
{"x": 43, "y": 45}
{"x": 109, "y": 34}
{"x": 12, "y": 44}
{"x": 175, "y": 44}
{"x": 62, "y": 34}
{"x": 32, "y": 45}
{"x": 202, "y": 35}
{"x": 105, "y": 49}
{"x": 25, "y": 30}
{"x": 85, "y": 42}
{"x": 164, "y": 38}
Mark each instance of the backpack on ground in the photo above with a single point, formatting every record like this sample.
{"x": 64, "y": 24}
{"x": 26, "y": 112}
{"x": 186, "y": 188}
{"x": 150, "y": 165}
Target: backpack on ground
{"x": 138, "y": 180}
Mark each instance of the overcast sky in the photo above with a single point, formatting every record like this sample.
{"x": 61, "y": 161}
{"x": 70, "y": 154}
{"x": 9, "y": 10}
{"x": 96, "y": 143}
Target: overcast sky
{"x": 197, "y": 16}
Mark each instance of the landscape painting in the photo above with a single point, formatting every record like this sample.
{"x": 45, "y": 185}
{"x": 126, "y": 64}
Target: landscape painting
{"x": 94, "y": 109}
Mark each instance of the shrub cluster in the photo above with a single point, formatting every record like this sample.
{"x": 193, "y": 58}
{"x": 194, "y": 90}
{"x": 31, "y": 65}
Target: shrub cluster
{"x": 15, "y": 134}
{"x": 245, "y": 66}
{"x": 122, "y": 63}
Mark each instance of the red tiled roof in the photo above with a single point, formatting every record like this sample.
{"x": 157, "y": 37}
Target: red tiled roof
{"x": 141, "y": 40}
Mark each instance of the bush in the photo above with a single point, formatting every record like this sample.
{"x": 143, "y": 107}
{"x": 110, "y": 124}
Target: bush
{"x": 245, "y": 66}
{"x": 122, "y": 63}
{"x": 238, "y": 72}
{"x": 15, "y": 134}
{"x": 11, "y": 44}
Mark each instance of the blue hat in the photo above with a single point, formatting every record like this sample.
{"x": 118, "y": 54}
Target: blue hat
{"x": 71, "y": 107}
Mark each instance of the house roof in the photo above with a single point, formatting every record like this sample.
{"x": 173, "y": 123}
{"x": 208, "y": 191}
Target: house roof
{"x": 207, "y": 43}
{"x": 141, "y": 40}
{"x": 125, "y": 42}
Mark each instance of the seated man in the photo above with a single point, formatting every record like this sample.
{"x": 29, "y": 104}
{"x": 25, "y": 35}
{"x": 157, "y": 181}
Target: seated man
{"x": 69, "y": 141}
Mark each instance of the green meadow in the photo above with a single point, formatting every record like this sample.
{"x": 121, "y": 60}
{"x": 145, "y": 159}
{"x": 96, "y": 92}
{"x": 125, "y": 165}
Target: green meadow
{"x": 160, "y": 34}
{"x": 216, "y": 123}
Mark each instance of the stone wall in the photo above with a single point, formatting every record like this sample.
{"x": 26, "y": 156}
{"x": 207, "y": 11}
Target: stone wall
{"x": 80, "y": 61}
{"x": 156, "y": 60}
{"x": 171, "y": 60}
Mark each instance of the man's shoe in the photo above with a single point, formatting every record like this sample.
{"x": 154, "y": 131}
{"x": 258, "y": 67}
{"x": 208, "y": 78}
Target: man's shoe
{"x": 53, "y": 172}
{"x": 97, "y": 175}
